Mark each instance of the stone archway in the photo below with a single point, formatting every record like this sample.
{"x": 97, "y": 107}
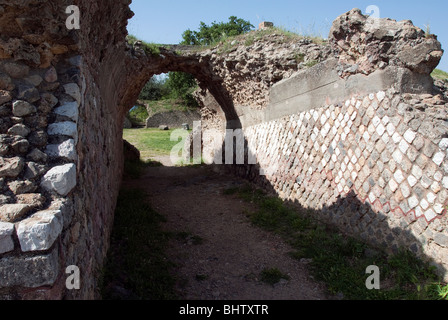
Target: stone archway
{"x": 188, "y": 61}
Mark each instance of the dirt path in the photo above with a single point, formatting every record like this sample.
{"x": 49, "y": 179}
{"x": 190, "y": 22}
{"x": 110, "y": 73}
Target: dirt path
{"x": 222, "y": 254}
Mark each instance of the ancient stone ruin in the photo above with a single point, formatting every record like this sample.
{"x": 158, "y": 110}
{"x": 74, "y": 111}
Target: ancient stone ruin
{"x": 353, "y": 128}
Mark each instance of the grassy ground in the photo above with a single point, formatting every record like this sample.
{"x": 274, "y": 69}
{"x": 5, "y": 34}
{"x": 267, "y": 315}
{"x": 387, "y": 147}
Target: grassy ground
{"x": 136, "y": 266}
{"x": 150, "y": 142}
{"x": 166, "y": 105}
{"x": 339, "y": 261}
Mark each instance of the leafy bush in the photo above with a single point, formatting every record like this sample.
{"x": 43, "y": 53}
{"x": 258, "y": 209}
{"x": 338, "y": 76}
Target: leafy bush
{"x": 181, "y": 85}
{"x": 138, "y": 115}
{"x": 209, "y": 35}
{"x": 155, "y": 89}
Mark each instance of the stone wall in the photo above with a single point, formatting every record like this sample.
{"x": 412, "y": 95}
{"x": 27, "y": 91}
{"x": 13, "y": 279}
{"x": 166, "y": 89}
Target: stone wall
{"x": 41, "y": 97}
{"x": 61, "y": 144}
{"x": 365, "y": 150}
{"x": 374, "y": 166}
{"x": 173, "y": 119}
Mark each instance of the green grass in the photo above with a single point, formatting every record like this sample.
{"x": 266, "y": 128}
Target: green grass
{"x": 151, "y": 49}
{"x": 311, "y": 63}
{"x": 340, "y": 261}
{"x": 150, "y": 142}
{"x": 137, "y": 260}
{"x": 440, "y": 75}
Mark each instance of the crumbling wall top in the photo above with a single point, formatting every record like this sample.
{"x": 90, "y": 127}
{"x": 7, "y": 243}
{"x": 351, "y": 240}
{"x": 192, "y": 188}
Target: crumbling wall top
{"x": 364, "y": 44}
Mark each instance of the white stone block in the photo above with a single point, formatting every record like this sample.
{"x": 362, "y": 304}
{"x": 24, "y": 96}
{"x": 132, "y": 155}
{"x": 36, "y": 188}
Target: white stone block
{"x": 410, "y": 136}
{"x": 39, "y": 232}
{"x": 430, "y": 215}
{"x": 366, "y": 136}
{"x": 443, "y": 144}
{"x": 417, "y": 172}
{"x": 376, "y": 121}
{"x": 372, "y": 197}
{"x": 412, "y": 181}
{"x": 66, "y": 128}
{"x": 393, "y": 185}
{"x": 445, "y": 182}
{"x": 69, "y": 109}
{"x": 403, "y": 146}
{"x": 424, "y": 204}
{"x": 438, "y": 176}
{"x": 398, "y": 175}
{"x": 323, "y": 119}
{"x": 61, "y": 179}
{"x": 381, "y": 95}
{"x": 390, "y": 129}
{"x": 397, "y": 156}
{"x": 396, "y": 137}
{"x": 438, "y": 208}
{"x": 6, "y": 242}
{"x": 72, "y": 89}
{"x": 413, "y": 202}
{"x": 418, "y": 212}
{"x": 438, "y": 158}
{"x": 66, "y": 149}
{"x": 431, "y": 197}
{"x": 380, "y": 129}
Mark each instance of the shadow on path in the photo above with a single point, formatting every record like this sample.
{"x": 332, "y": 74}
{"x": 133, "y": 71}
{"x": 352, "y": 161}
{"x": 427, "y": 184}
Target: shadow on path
{"x": 219, "y": 254}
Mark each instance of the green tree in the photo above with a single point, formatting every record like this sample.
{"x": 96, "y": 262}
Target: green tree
{"x": 208, "y": 35}
{"x": 154, "y": 89}
{"x": 181, "y": 86}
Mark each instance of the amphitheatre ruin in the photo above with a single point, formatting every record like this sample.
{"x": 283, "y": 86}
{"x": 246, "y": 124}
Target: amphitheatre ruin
{"x": 360, "y": 135}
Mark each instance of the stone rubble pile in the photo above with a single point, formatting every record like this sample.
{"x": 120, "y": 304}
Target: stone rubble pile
{"x": 364, "y": 44}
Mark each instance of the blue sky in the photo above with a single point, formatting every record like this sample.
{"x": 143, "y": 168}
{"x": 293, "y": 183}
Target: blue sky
{"x": 165, "y": 21}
